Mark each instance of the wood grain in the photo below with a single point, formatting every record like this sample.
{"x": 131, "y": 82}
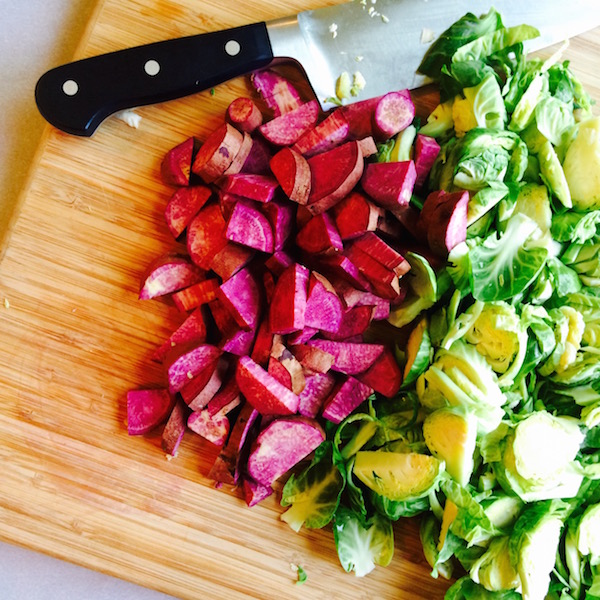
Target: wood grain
{"x": 74, "y": 338}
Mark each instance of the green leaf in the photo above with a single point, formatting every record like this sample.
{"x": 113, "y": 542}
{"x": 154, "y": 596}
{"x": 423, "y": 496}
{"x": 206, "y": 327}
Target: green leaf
{"x": 361, "y": 546}
{"x": 313, "y": 495}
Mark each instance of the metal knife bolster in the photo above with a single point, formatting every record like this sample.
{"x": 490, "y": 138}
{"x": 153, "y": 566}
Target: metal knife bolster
{"x": 78, "y": 96}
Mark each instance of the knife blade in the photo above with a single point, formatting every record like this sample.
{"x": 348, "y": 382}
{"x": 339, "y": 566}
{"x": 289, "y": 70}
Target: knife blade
{"x": 383, "y": 39}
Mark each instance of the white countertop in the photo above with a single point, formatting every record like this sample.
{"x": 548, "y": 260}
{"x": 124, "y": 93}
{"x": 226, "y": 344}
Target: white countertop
{"x": 36, "y": 35}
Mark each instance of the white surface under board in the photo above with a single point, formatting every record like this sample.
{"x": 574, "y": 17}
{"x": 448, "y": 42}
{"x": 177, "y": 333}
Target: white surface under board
{"x": 36, "y": 35}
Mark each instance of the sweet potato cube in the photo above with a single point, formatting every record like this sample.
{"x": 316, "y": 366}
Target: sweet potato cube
{"x": 196, "y": 295}
{"x": 349, "y": 358}
{"x": 147, "y": 409}
{"x": 383, "y": 253}
{"x": 334, "y": 174}
{"x": 280, "y": 446}
{"x": 226, "y": 468}
{"x": 355, "y": 215}
{"x": 184, "y": 205}
{"x": 316, "y": 390}
{"x": 319, "y": 235}
{"x": 255, "y": 492}
{"x": 267, "y": 395}
{"x": 217, "y": 153}
{"x": 192, "y": 330}
{"x": 190, "y": 364}
{"x": 231, "y": 259}
{"x": 206, "y": 235}
{"x": 390, "y": 184}
{"x": 175, "y": 428}
{"x": 244, "y": 115}
{"x": 214, "y": 428}
{"x": 260, "y": 188}
{"x": 241, "y": 295}
{"x": 384, "y": 281}
{"x": 167, "y": 274}
{"x": 287, "y": 128}
{"x": 426, "y": 153}
{"x": 329, "y": 133}
{"x": 293, "y": 174}
{"x": 281, "y": 217}
{"x": 176, "y": 165}
{"x": 354, "y": 322}
{"x": 288, "y": 305}
{"x": 324, "y": 308}
{"x": 393, "y": 113}
{"x": 347, "y": 395}
{"x": 384, "y": 375}
{"x": 248, "y": 226}
{"x": 279, "y": 93}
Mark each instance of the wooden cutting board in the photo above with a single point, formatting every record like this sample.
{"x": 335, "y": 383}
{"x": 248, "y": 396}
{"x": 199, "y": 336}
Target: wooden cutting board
{"x": 75, "y": 338}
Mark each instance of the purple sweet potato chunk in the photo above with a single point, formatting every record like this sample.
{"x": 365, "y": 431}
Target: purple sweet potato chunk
{"x": 384, "y": 281}
{"x": 241, "y": 295}
{"x": 349, "y": 358}
{"x": 293, "y": 174}
{"x": 255, "y": 492}
{"x": 167, "y": 274}
{"x": 227, "y": 398}
{"x": 384, "y": 375}
{"x": 197, "y": 397}
{"x": 278, "y": 262}
{"x": 146, "y": 409}
{"x": 313, "y": 359}
{"x": 258, "y": 158}
{"x": 347, "y": 395}
{"x": 267, "y": 395}
{"x": 382, "y": 252}
{"x": 280, "y": 446}
{"x": 247, "y": 185}
{"x": 281, "y": 217}
{"x": 176, "y": 165}
{"x": 278, "y": 92}
{"x": 355, "y": 321}
{"x": 319, "y": 234}
{"x": 238, "y": 343}
{"x": 355, "y": 297}
{"x": 316, "y": 390}
{"x": 288, "y": 305}
{"x": 341, "y": 267}
{"x": 355, "y": 215}
{"x": 443, "y": 219}
{"x": 393, "y": 113}
{"x": 184, "y": 205}
{"x": 192, "y": 330}
{"x": 214, "y": 428}
{"x": 231, "y": 259}
{"x": 192, "y": 363}
{"x": 175, "y": 428}
{"x": 244, "y": 115}
{"x": 359, "y": 116}
{"x": 226, "y": 468}
{"x": 287, "y": 128}
{"x": 426, "y": 152}
{"x": 390, "y": 184}
{"x": 329, "y": 133}
{"x": 324, "y": 309}
{"x": 248, "y": 226}
{"x": 206, "y": 235}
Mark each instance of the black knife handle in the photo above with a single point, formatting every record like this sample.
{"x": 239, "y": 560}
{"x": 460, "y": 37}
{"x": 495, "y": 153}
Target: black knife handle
{"x": 78, "y": 96}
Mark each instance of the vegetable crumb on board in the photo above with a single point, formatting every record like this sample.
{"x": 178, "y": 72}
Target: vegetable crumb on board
{"x": 427, "y": 35}
{"x": 6, "y": 303}
{"x": 302, "y": 576}
{"x": 130, "y": 117}
{"x": 333, "y": 29}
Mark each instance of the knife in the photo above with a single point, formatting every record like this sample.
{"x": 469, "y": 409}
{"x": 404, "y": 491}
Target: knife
{"x": 385, "y": 40}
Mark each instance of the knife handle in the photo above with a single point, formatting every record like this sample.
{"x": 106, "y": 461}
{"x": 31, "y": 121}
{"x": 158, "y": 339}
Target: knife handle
{"x": 78, "y": 96}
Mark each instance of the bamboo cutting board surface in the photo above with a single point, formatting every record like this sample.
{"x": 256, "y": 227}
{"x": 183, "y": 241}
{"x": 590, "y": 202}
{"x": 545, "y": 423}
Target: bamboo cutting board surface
{"x": 75, "y": 338}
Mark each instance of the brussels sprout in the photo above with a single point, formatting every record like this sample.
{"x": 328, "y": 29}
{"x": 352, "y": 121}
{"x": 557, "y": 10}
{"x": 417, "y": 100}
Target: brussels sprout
{"x": 582, "y": 166}
{"x": 450, "y": 434}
